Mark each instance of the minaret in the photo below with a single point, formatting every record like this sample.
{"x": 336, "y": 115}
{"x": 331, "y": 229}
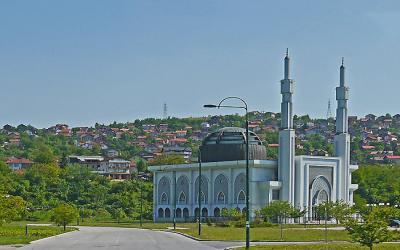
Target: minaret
{"x": 342, "y": 137}
{"x": 286, "y": 163}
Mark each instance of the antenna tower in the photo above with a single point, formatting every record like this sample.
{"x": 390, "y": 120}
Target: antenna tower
{"x": 329, "y": 111}
{"x": 165, "y": 110}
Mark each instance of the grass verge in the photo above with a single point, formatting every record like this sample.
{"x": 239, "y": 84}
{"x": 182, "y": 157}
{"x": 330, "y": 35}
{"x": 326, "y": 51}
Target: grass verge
{"x": 14, "y": 233}
{"x": 264, "y": 233}
{"x": 330, "y": 246}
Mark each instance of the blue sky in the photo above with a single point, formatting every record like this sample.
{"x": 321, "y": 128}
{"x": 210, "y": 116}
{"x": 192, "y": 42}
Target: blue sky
{"x": 81, "y": 62}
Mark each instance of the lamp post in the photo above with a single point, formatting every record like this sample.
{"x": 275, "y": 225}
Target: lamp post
{"x": 174, "y": 218}
{"x": 326, "y": 227}
{"x": 247, "y": 157}
{"x": 199, "y": 194}
{"x": 141, "y": 201}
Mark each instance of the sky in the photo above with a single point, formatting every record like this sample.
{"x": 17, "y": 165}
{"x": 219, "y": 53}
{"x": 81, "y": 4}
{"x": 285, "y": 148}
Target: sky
{"x": 82, "y": 62}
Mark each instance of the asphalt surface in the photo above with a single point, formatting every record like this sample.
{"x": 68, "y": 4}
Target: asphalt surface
{"x": 88, "y": 238}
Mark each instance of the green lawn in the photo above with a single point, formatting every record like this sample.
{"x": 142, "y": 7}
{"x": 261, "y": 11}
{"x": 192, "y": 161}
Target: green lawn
{"x": 330, "y": 246}
{"x": 290, "y": 232}
{"x": 111, "y": 223}
{"x": 14, "y": 233}
{"x": 264, "y": 234}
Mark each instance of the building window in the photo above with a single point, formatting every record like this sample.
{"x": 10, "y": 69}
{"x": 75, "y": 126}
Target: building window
{"x": 221, "y": 197}
{"x": 241, "y": 198}
{"x": 167, "y": 213}
{"x": 160, "y": 213}
{"x": 164, "y": 198}
{"x": 182, "y": 198}
{"x": 217, "y": 212}
{"x": 178, "y": 213}
{"x": 202, "y": 197}
{"x": 185, "y": 212}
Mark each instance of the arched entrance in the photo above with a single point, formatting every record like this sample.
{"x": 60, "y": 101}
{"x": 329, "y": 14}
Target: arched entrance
{"x": 320, "y": 192}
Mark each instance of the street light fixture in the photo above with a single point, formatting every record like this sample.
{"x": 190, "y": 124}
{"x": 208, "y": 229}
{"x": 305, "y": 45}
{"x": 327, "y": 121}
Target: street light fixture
{"x": 199, "y": 194}
{"x": 247, "y": 156}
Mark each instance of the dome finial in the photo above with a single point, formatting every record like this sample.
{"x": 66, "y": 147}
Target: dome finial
{"x": 287, "y": 52}
{"x": 342, "y": 61}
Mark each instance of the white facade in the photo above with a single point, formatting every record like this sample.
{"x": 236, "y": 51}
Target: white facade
{"x": 224, "y": 187}
{"x": 303, "y": 181}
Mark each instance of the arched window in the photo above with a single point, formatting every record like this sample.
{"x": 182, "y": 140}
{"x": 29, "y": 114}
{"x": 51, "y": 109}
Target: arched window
{"x": 164, "y": 188}
{"x": 182, "y": 198}
{"x": 204, "y": 212}
{"x": 185, "y": 212}
{"x": 221, "y": 198}
{"x": 197, "y": 212}
{"x": 202, "y": 198}
{"x": 178, "y": 213}
{"x": 221, "y": 186}
{"x": 167, "y": 213}
{"x": 240, "y": 186}
{"x": 160, "y": 213}
{"x": 204, "y": 189}
{"x": 217, "y": 212}
{"x": 241, "y": 199}
{"x": 164, "y": 199}
{"x": 182, "y": 190}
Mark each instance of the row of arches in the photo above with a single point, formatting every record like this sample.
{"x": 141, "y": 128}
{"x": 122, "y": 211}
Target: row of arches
{"x": 184, "y": 213}
{"x": 220, "y": 195}
{"x": 221, "y": 198}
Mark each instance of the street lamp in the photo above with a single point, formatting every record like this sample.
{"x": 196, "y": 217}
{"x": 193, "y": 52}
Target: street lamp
{"x": 247, "y": 157}
{"x": 174, "y": 218}
{"x": 199, "y": 194}
{"x": 141, "y": 200}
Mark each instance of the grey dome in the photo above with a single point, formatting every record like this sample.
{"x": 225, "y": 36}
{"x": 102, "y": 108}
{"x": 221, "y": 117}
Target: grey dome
{"x": 229, "y": 144}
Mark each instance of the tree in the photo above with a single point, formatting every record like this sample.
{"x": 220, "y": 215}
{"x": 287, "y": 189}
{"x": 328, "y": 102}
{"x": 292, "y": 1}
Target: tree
{"x": 11, "y": 208}
{"x": 372, "y": 231}
{"x": 5, "y": 178}
{"x": 231, "y": 213}
{"x": 44, "y": 154}
{"x": 118, "y": 214}
{"x": 168, "y": 160}
{"x": 64, "y": 214}
{"x": 141, "y": 165}
{"x": 276, "y": 211}
{"x": 340, "y": 211}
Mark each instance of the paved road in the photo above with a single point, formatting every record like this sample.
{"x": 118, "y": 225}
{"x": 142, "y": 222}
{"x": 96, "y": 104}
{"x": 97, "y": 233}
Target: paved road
{"x": 88, "y": 238}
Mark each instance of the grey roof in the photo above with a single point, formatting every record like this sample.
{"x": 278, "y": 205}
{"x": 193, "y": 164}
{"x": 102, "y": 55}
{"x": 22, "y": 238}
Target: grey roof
{"x": 228, "y": 144}
{"x": 231, "y": 135}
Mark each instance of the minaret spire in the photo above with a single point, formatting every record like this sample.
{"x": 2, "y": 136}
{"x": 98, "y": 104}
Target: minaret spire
{"x": 342, "y": 70}
{"x": 286, "y": 161}
{"x": 287, "y": 64}
{"x": 342, "y": 95}
{"x": 342, "y": 137}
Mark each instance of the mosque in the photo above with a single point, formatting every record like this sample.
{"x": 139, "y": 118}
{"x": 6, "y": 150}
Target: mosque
{"x": 304, "y": 181}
